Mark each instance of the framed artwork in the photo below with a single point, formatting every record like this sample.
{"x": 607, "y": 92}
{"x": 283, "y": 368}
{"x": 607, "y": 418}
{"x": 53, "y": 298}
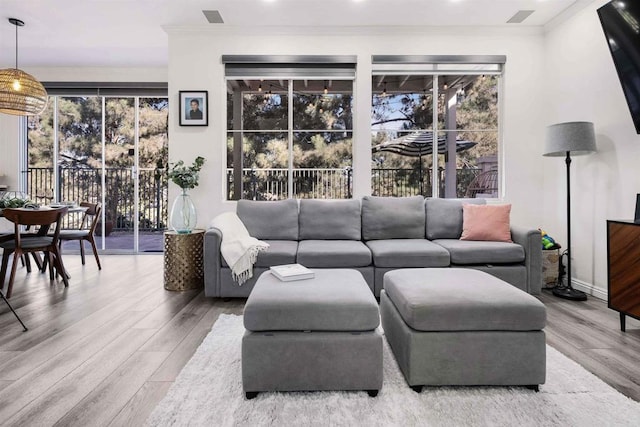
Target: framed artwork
{"x": 194, "y": 108}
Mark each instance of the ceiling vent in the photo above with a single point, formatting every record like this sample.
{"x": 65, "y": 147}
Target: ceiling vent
{"x": 213, "y": 16}
{"x": 520, "y": 16}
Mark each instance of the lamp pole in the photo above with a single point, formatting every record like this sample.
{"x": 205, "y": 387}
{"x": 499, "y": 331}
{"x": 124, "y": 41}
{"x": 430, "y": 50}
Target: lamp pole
{"x": 567, "y": 291}
{"x": 567, "y": 161}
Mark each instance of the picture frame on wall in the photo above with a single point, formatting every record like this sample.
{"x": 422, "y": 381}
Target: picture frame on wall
{"x": 194, "y": 108}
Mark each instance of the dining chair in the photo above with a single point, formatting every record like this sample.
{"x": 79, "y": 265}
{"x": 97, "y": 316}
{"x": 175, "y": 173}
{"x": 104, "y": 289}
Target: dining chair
{"x": 4, "y": 237}
{"x": 40, "y": 242}
{"x": 86, "y": 231}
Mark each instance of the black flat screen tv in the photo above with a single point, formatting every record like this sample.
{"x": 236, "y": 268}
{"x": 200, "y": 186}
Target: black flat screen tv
{"x": 621, "y": 24}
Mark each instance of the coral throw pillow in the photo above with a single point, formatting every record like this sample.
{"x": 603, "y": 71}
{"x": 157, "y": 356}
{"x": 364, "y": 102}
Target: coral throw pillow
{"x": 486, "y": 222}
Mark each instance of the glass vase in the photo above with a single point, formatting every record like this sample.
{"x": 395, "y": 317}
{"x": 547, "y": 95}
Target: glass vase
{"x": 183, "y": 214}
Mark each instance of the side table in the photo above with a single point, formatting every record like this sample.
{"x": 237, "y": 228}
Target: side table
{"x": 183, "y": 260}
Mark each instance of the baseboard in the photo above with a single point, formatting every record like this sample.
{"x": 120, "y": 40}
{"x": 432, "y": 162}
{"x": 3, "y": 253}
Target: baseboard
{"x": 590, "y": 289}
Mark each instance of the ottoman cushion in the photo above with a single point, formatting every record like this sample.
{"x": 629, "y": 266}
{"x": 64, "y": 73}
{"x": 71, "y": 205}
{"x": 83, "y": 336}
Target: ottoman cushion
{"x": 334, "y": 300}
{"x": 457, "y": 299}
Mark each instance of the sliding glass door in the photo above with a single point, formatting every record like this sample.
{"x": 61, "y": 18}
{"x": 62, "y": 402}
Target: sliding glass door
{"x": 108, "y": 150}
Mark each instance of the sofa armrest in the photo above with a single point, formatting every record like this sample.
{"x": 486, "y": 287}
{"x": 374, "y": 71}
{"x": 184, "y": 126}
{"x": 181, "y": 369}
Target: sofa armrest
{"x": 531, "y": 240}
{"x": 212, "y": 265}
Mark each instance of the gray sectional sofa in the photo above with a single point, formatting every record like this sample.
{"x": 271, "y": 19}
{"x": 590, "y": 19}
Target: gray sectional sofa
{"x": 373, "y": 235}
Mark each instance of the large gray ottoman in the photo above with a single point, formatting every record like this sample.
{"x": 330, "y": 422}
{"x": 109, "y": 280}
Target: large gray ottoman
{"x": 455, "y": 326}
{"x": 315, "y": 334}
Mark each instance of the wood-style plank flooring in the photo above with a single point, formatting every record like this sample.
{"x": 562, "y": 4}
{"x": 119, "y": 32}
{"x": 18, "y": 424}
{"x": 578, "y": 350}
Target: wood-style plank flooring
{"x": 589, "y": 333}
{"x": 106, "y": 350}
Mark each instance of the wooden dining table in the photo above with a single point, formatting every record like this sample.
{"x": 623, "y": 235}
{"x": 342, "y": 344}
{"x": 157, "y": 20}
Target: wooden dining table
{"x": 42, "y": 231}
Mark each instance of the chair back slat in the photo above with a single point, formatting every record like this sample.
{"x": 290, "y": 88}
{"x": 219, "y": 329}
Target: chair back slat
{"x": 34, "y": 216}
{"x": 92, "y": 208}
{"x": 93, "y": 211}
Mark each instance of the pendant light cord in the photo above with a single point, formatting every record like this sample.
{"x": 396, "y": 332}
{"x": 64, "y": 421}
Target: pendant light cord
{"x": 16, "y": 46}
{"x": 17, "y": 23}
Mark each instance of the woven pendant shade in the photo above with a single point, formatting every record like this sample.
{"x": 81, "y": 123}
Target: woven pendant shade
{"x": 20, "y": 93}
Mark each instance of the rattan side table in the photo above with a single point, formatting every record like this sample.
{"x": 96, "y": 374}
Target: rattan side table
{"x": 183, "y": 260}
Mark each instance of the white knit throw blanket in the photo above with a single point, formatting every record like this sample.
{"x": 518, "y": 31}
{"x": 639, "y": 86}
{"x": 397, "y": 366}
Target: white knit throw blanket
{"x": 238, "y": 248}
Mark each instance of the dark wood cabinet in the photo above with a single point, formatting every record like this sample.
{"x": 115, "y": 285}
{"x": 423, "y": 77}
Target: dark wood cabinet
{"x": 623, "y": 253}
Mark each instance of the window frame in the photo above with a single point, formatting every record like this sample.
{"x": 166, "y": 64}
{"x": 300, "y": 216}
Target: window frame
{"x": 437, "y": 66}
{"x": 291, "y": 69}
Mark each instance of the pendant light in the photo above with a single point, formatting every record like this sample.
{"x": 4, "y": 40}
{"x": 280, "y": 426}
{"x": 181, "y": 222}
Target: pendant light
{"x": 20, "y": 93}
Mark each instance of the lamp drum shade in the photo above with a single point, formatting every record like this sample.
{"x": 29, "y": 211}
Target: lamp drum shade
{"x": 20, "y": 93}
{"x": 578, "y": 138}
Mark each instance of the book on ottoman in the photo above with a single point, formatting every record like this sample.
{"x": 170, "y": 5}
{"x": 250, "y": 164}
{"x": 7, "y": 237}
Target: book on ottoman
{"x": 291, "y": 272}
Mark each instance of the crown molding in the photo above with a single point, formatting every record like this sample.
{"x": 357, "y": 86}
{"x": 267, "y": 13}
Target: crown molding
{"x": 331, "y": 31}
{"x": 570, "y": 12}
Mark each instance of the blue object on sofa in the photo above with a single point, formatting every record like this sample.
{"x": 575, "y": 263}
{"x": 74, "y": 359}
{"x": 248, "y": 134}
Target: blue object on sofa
{"x": 373, "y": 235}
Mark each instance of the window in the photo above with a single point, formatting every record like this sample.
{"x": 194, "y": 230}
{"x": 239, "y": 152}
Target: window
{"x": 289, "y": 137}
{"x": 464, "y": 127}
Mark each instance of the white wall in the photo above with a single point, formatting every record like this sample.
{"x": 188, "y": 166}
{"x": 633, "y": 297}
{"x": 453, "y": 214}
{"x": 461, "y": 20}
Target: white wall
{"x": 581, "y": 84}
{"x": 195, "y": 64}
{"x": 9, "y": 156}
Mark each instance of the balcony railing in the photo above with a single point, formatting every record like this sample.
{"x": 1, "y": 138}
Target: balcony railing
{"x": 85, "y": 184}
{"x": 272, "y": 184}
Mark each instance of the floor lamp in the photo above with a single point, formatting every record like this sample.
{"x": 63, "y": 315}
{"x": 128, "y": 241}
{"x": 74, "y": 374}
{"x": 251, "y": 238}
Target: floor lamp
{"x": 565, "y": 140}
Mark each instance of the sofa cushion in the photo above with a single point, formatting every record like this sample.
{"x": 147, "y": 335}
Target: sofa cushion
{"x": 401, "y": 253}
{"x": 444, "y": 217}
{"x": 333, "y": 253}
{"x": 460, "y": 299}
{"x": 279, "y": 252}
{"x": 270, "y": 220}
{"x": 329, "y": 219}
{"x": 392, "y": 218}
{"x": 465, "y": 252}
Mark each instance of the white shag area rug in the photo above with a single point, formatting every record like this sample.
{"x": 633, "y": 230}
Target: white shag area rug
{"x": 208, "y": 392}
